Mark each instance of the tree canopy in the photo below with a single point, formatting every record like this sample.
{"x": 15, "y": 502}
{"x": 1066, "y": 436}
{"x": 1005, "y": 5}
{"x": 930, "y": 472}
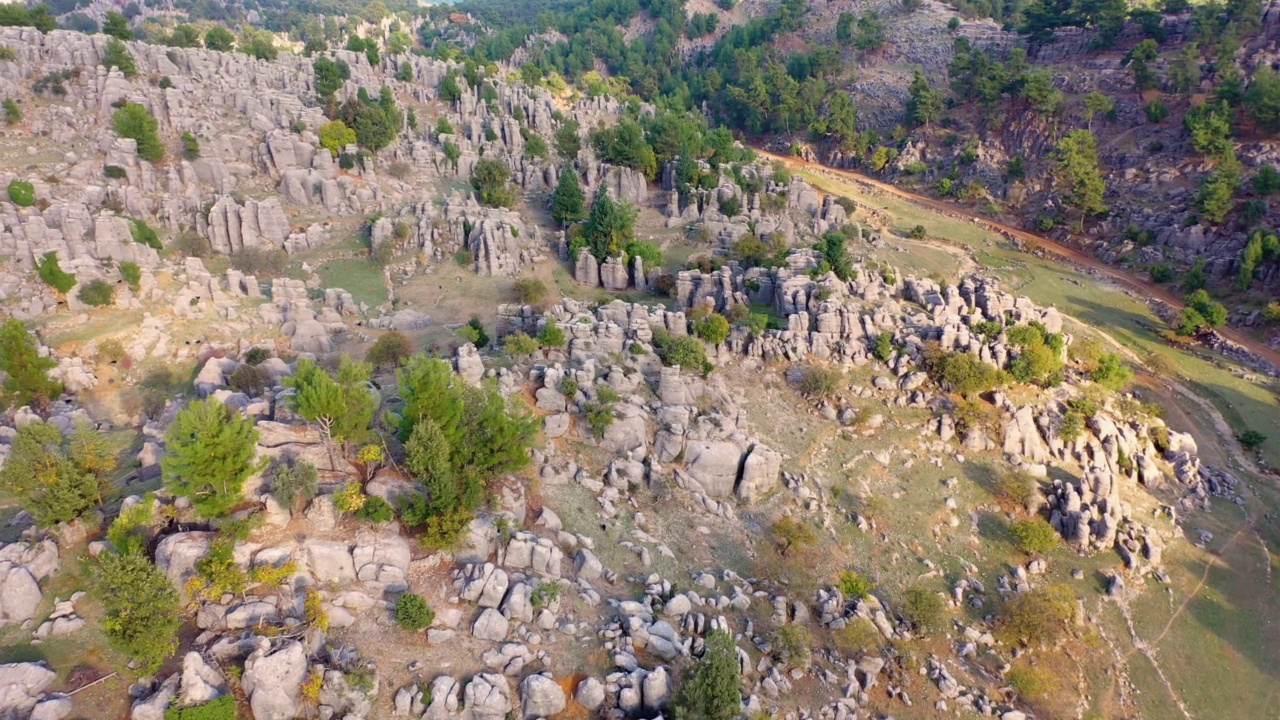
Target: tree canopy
{"x": 209, "y": 454}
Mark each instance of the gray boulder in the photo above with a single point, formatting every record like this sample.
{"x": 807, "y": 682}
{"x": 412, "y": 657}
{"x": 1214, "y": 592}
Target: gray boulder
{"x": 540, "y": 697}
{"x": 21, "y": 685}
{"x": 488, "y": 697}
{"x": 273, "y": 680}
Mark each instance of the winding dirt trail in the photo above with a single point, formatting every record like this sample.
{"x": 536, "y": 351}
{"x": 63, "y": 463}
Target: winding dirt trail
{"x": 1064, "y": 252}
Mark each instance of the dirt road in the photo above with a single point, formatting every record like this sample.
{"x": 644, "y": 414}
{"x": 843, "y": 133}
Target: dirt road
{"x": 1052, "y": 247}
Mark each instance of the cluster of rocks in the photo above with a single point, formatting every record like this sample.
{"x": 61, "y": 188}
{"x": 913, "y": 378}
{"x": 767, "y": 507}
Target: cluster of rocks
{"x": 22, "y": 566}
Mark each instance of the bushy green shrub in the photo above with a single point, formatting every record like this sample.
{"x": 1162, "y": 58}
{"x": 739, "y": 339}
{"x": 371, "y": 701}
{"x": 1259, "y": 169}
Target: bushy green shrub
{"x": 392, "y": 348}
{"x": 295, "y": 482}
{"x": 413, "y": 613}
{"x": 23, "y": 367}
{"x": 97, "y": 293}
{"x": 529, "y": 291}
{"x": 22, "y": 193}
{"x": 1036, "y": 617}
{"x": 135, "y": 122}
{"x": 551, "y": 336}
{"x": 209, "y": 454}
{"x": 713, "y": 688}
{"x": 375, "y": 510}
{"x": 53, "y": 275}
{"x": 924, "y": 608}
{"x": 713, "y": 328}
{"x": 519, "y": 344}
{"x": 819, "y": 382}
{"x": 681, "y": 350}
{"x": 131, "y": 273}
{"x": 1034, "y": 536}
{"x": 852, "y": 585}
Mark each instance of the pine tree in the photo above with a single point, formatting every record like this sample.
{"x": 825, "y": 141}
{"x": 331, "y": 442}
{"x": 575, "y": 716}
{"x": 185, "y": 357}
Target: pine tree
{"x": 567, "y": 205}
{"x": 713, "y": 689}
{"x": 342, "y": 407}
{"x": 1078, "y": 170}
{"x": 210, "y": 453}
{"x": 925, "y": 104}
{"x": 24, "y": 370}
{"x": 140, "y": 608}
{"x": 1262, "y": 99}
{"x": 117, "y": 56}
{"x": 47, "y": 483}
{"x": 610, "y": 227}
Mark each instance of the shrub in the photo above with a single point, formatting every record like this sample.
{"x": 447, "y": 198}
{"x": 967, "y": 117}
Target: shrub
{"x": 551, "y": 336}
{"x": 519, "y": 344}
{"x": 12, "y": 113}
{"x": 490, "y": 179}
{"x": 884, "y": 346}
{"x": 1251, "y": 439}
{"x": 852, "y": 585}
{"x": 791, "y": 534}
{"x": 392, "y": 348}
{"x": 250, "y": 380}
{"x": 52, "y": 483}
{"x": 375, "y": 510}
{"x": 680, "y": 350}
{"x": 23, "y": 367}
{"x": 961, "y": 372}
{"x": 918, "y": 232}
{"x": 1036, "y": 617}
{"x": 713, "y": 328}
{"x": 260, "y": 262}
{"x": 140, "y": 608}
{"x": 473, "y": 332}
{"x": 114, "y": 172}
{"x": 131, "y": 273}
{"x": 1112, "y": 373}
{"x": 1161, "y": 272}
{"x": 1016, "y": 488}
{"x": 599, "y": 418}
{"x": 1034, "y": 536}
{"x": 1030, "y": 682}
{"x": 924, "y": 609}
{"x": 256, "y": 355}
{"x": 22, "y": 193}
{"x": 53, "y": 275}
{"x": 713, "y": 688}
{"x": 135, "y": 122}
{"x": 820, "y": 382}
{"x": 97, "y": 293}
{"x": 209, "y": 454}
{"x": 791, "y": 646}
{"x": 335, "y": 135}
{"x": 295, "y": 482}
{"x": 529, "y": 291}
{"x": 190, "y": 146}
{"x": 413, "y": 613}
{"x": 144, "y": 234}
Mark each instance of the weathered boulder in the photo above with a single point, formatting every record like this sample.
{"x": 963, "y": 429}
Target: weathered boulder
{"x": 273, "y": 679}
{"x": 177, "y": 555}
{"x": 759, "y": 473}
{"x": 540, "y": 697}
{"x": 21, "y": 685}
{"x": 488, "y": 697}
{"x": 714, "y": 465}
{"x": 200, "y": 681}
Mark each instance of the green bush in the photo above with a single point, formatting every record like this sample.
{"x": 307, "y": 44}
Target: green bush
{"x": 1034, "y": 536}
{"x": 295, "y": 482}
{"x": 117, "y": 55}
{"x": 529, "y": 291}
{"x": 714, "y": 328}
{"x": 551, "y": 336}
{"x": 884, "y": 346}
{"x": 961, "y": 372}
{"x": 23, "y": 367}
{"x": 140, "y": 608}
{"x": 473, "y": 332}
{"x": 852, "y": 585}
{"x": 1030, "y": 682}
{"x": 924, "y": 608}
{"x": 12, "y": 113}
{"x": 1016, "y": 487}
{"x": 820, "y": 382}
{"x": 53, "y": 275}
{"x": 376, "y": 510}
{"x": 97, "y": 293}
{"x": 681, "y": 350}
{"x": 131, "y": 273}
{"x": 413, "y": 613}
{"x": 1251, "y": 439}
{"x": 51, "y": 482}
{"x": 144, "y": 234}
{"x": 1036, "y": 617}
{"x": 223, "y": 708}
{"x": 519, "y": 344}
{"x": 190, "y": 146}
{"x": 392, "y": 348}
{"x": 491, "y": 179}
{"x": 135, "y": 122}
{"x": 1112, "y": 373}
{"x": 114, "y": 172}
{"x": 791, "y": 646}
{"x": 22, "y": 193}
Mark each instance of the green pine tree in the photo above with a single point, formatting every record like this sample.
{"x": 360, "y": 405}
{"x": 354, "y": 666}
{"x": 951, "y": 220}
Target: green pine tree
{"x": 713, "y": 689}
{"x": 1078, "y": 171}
{"x": 24, "y": 370}
{"x": 568, "y": 202}
{"x": 210, "y": 453}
